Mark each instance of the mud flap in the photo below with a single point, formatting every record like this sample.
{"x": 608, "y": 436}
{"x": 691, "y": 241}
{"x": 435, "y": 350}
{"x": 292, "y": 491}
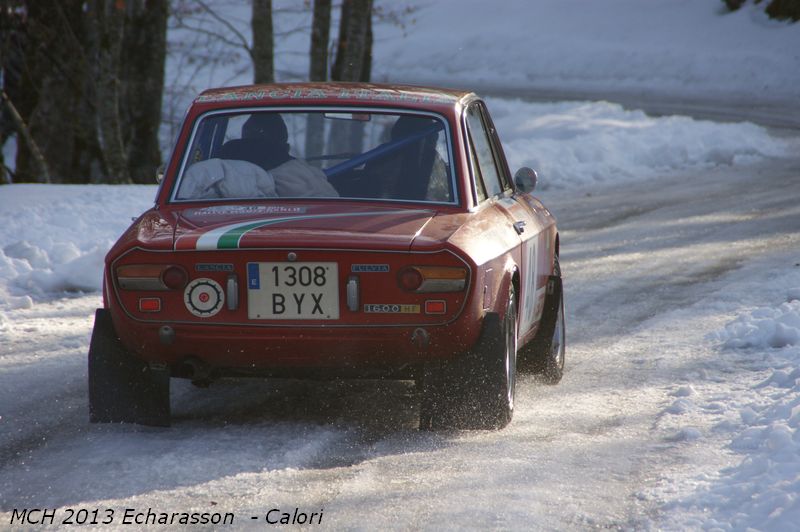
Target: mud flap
{"x": 123, "y": 389}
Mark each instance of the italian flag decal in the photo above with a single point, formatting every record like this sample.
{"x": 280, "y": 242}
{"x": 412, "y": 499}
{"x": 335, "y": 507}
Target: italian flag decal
{"x": 230, "y": 236}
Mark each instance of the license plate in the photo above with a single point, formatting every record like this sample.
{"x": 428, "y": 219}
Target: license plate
{"x": 292, "y": 291}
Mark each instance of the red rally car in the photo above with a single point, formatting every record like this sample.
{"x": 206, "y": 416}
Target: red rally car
{"x": 334, "y": 230}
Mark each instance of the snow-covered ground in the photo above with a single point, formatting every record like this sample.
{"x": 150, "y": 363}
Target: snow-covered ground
{"x": 692, "y": 54}
{"x": 695, "y": 49}
{"x": 680, "y": 407}
{"x": 687, "y": 48}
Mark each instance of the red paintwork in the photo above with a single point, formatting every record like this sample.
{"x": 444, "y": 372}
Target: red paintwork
{"x": 479, "y": 238}
{"x": 391, "y": 231}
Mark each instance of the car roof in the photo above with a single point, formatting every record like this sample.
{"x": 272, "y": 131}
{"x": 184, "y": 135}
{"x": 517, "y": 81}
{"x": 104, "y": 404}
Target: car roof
{"x": 334, "y": 93}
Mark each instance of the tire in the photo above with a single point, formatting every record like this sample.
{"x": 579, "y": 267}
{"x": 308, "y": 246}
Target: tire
{"x": 123, "y": 389}
{"x": 545, "y": 355}
{"x": 498, "y": 388}
{"x": 476, "y": 391}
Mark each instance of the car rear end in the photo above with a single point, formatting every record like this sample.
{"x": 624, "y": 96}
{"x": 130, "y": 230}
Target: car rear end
{"x": 290, "y": 310}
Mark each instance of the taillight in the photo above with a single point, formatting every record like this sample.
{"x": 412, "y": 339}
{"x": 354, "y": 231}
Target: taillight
{"x": 175, "y": 278}
{"x": 151, "y": 277}
{"x": 410, "y": 279}
{"x": 432, "y": 279}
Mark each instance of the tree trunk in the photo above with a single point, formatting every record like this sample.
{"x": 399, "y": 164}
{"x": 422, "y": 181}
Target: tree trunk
{"x": 108, "y": 24}
{"x": 12, "y": 46}
{"x": 24, "y": 132}
{"x": 320, "y": 35}
{"x": 51, "y": 93}
{"x": 262, "y": 51}
{"x": 366, "y": 64}
{"x": 351, "y": 52}
{"x": 318, "y": 71}
{"x": 341, "y": 43}
{"x": 142, "y": 75}
{"x": 94, "y": 117}
{"x": 352, "y": 57}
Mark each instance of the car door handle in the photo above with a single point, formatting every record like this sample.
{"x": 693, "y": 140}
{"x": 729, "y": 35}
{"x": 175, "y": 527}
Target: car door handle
{"x": 519, "y": 227}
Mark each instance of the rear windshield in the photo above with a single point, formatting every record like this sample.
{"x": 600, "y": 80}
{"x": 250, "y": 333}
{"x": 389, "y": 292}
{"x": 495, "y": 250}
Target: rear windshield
{"x": 318, "y": 154}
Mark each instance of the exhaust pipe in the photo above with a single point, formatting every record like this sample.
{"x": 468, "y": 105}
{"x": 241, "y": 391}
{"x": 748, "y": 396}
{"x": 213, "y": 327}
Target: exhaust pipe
{"x": 198, "y": 371}
{"x": 420, "y": 338}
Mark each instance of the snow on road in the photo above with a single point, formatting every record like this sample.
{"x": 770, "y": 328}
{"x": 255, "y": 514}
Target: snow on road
{"x": 665, "y": 285}
{"x": 678, "y": 409}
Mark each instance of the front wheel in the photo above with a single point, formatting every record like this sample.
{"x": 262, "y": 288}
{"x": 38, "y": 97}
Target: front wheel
{"x": 553, "y": 369}
{"x": 545, "y": 355}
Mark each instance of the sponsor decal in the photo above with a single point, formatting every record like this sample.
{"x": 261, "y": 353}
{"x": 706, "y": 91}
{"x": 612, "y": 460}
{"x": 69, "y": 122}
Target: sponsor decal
{"x": 203, "y": 297}
{"x": 230, "y": 236}
{"x": 369, "y": 268}
{"x": 213, "y": 267}
{"x": 391, "y": 308}
{"x": 386, "y": 95}
{"x": 246, "y": 209}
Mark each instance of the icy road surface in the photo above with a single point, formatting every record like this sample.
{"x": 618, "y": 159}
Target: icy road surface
{"x": 642, "y": 420}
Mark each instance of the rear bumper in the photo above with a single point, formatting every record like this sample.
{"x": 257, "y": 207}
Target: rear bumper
{"x": 254, "y": 349}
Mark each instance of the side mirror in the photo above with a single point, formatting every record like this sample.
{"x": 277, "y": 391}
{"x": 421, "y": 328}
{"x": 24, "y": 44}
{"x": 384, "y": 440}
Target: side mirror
{"x": 160, "y": 174}
{"x": 525, "y": 179}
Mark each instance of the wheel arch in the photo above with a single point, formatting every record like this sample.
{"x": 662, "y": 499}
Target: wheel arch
{"x": 511, "y": 281}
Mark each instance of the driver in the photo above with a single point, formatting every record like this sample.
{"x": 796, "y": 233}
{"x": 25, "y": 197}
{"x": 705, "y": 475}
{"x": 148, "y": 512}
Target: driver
{"x": 414, "y": 171}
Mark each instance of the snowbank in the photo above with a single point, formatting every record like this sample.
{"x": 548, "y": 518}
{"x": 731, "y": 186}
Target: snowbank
{"x": 765, "y": 327}
{"x": 54, "y": 237}
{"x": 695, "y": 50}
{"x": 572, "y": 144}
{"x": 763, "y": 491}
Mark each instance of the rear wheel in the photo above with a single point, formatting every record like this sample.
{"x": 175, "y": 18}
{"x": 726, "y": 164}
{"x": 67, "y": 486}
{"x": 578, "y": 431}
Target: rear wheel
{"x": 476, "y": 391}
{"x": 500, "y": 382}
{"x": 123, "y": 389}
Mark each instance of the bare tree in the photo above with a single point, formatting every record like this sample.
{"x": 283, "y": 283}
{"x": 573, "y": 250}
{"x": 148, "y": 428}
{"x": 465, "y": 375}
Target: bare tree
{"x": 48, "y": 86}
{"x": 219, "y": 28}
{"x": 318, "y": 71}
{"x": 262, "y": 50}
{"x": 353, "y": 63}
{"x": 94, "y": 116}
{"x": 142, "y": 76}
{"x": 25, "y": 133}
{"x": 320, "y": 35}
{"x": 353, "y": 57}
{"x": 107, "y": 26}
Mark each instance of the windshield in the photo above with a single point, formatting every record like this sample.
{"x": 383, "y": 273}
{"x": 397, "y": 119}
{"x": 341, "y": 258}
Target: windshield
{"x": 321, "y": 154}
